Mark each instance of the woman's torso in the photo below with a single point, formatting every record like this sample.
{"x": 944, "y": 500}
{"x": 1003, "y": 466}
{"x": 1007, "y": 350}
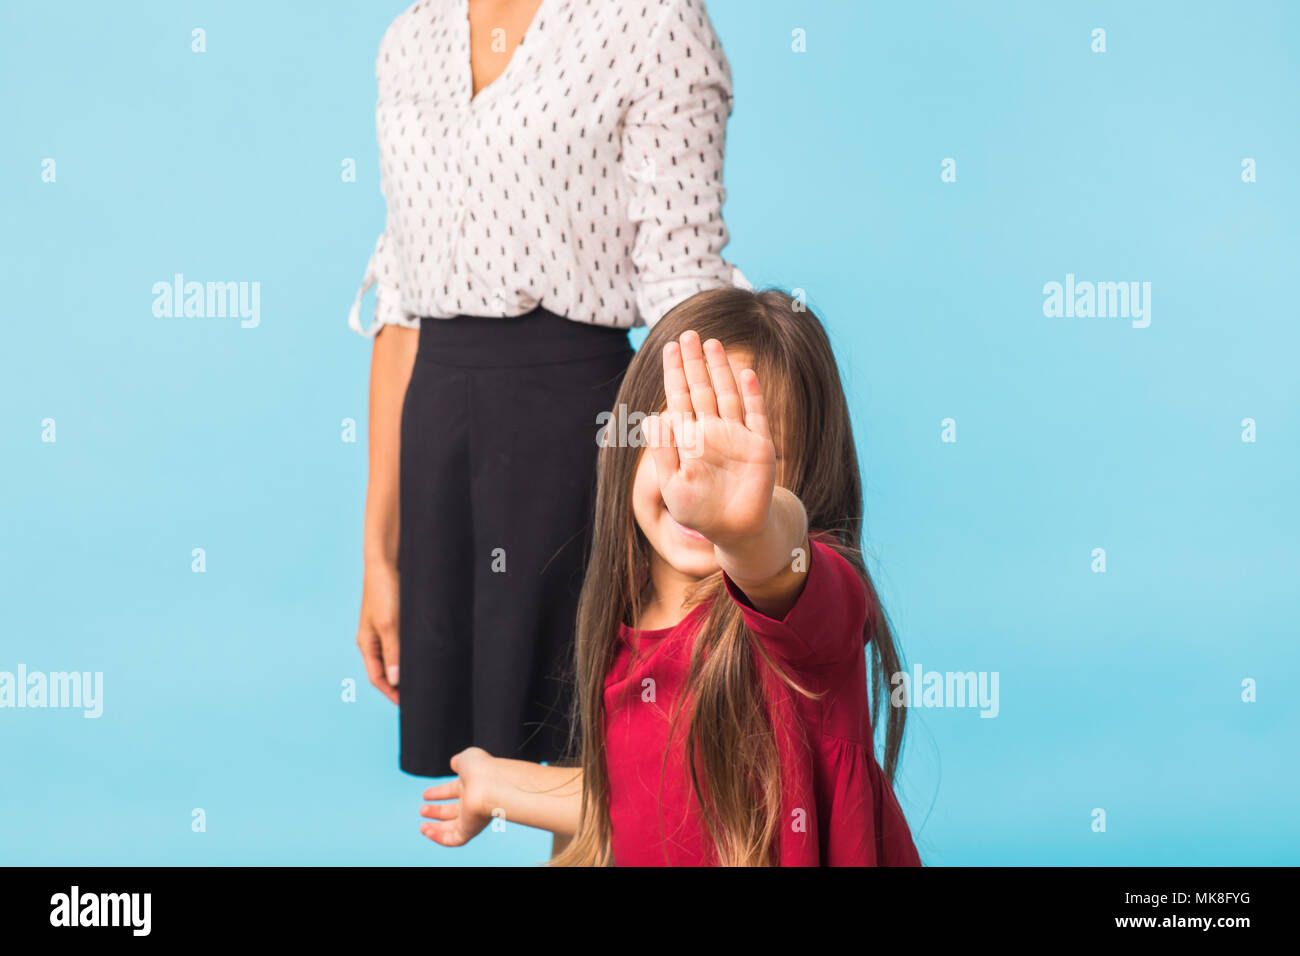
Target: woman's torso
{"x": 523, "y": 195}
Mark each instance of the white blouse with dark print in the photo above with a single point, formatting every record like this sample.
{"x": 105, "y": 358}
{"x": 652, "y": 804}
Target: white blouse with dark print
{"x": 587, "y": 178}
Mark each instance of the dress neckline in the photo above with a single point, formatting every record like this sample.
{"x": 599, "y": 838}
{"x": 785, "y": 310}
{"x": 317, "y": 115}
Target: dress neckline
{"x": 654, "y": 633}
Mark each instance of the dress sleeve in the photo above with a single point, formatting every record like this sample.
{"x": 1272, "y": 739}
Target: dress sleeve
{"x": 826, "y": 624}
{"x": 382, "y": 271}
{"x": 674, "y": 139}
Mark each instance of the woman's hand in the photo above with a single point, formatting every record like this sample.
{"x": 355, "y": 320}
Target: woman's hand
{"x": 712, "y": 450}
{"x": 469, "y": 810}
{"x": 377, "y": 633}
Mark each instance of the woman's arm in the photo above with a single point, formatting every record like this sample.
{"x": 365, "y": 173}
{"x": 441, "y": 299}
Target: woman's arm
{"x": 548, "y": 798}
{"x": 391, "y": 363}
{"x": 674, "y": 141}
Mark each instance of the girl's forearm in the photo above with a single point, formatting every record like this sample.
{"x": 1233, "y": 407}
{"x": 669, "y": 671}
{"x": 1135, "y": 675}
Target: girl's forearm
{"x": 391, "y": 362}
{"x": 545, "y": 797}
{"x": 765, "y": 566}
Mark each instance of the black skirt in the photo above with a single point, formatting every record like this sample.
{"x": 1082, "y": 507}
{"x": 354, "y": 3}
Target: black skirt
{"x": 498, "y": 454}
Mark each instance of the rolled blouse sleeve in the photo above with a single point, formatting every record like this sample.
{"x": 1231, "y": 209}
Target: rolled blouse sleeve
{"x": 674, "y": 138}
{"x": 383, "y": 271}
{"x": 827, "y": 621}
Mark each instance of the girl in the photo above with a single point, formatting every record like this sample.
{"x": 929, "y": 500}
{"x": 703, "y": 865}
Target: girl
{"x": 724, "y": 707}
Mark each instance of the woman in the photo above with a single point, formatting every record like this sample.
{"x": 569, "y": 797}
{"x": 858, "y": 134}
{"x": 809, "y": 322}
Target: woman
{"x": 553, "y": 176}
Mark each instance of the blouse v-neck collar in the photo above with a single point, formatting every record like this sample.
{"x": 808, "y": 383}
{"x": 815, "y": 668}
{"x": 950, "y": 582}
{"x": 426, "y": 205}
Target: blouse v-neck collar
{"x": 531, "y": 39}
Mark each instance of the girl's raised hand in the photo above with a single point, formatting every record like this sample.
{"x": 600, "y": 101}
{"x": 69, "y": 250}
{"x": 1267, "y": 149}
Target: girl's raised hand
{"x": 711, "y": 447}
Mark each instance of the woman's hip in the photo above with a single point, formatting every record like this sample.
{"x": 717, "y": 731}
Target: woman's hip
{"x": 536, "y": 338}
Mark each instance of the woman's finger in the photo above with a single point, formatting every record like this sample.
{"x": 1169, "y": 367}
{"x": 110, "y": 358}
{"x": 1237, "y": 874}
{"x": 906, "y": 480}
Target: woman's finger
{"x": 755, "y": 414}
{"x": 697, "y": 375}
{"x": 369, "y": 642}
{"x": 386, "y": 627}
{"x": 730, "y": 406}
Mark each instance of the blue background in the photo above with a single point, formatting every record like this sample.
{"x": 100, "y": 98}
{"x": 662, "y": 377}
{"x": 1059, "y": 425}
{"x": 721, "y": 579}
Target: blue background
{"x": 1119, "y": 690}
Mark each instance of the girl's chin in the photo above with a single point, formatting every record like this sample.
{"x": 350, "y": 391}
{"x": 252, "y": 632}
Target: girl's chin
{"x": 693, "y": 564}
{"x": 689, "y": 553}
{"x": 687, "y": 533}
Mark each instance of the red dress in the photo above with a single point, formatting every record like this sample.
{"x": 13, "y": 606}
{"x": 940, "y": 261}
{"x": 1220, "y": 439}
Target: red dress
{"x": 838, "y": 808}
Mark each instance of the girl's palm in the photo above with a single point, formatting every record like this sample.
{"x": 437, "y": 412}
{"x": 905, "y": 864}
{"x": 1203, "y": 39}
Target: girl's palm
{"x": 712, "y": 451}
{"x": 457, "y": 822}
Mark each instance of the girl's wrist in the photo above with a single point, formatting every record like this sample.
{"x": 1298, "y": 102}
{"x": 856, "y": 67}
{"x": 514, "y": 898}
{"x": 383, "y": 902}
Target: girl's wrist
{"x": 765, "y": 554}
{"x": 490, "y": 794}
{"x": 738, "y": 542}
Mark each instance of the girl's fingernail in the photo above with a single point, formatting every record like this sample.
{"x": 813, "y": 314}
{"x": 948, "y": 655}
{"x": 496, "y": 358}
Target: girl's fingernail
{"x": 392, "y": 675}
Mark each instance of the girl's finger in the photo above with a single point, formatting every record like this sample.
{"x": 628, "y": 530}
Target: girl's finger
{"x": 444, "y": 791}
{"x": 697, "y": 375}
{"x": 755, "y": 414}
{"x": 659, "y": 439}
{"x": 675, "y": 388}
{"x": 730, "y": 406}
{"x": 444, "y": 834}
{"x": 441, "y": 811}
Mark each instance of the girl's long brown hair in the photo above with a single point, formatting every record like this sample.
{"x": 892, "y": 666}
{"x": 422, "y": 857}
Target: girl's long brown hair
{"x": 732, "y": 756}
